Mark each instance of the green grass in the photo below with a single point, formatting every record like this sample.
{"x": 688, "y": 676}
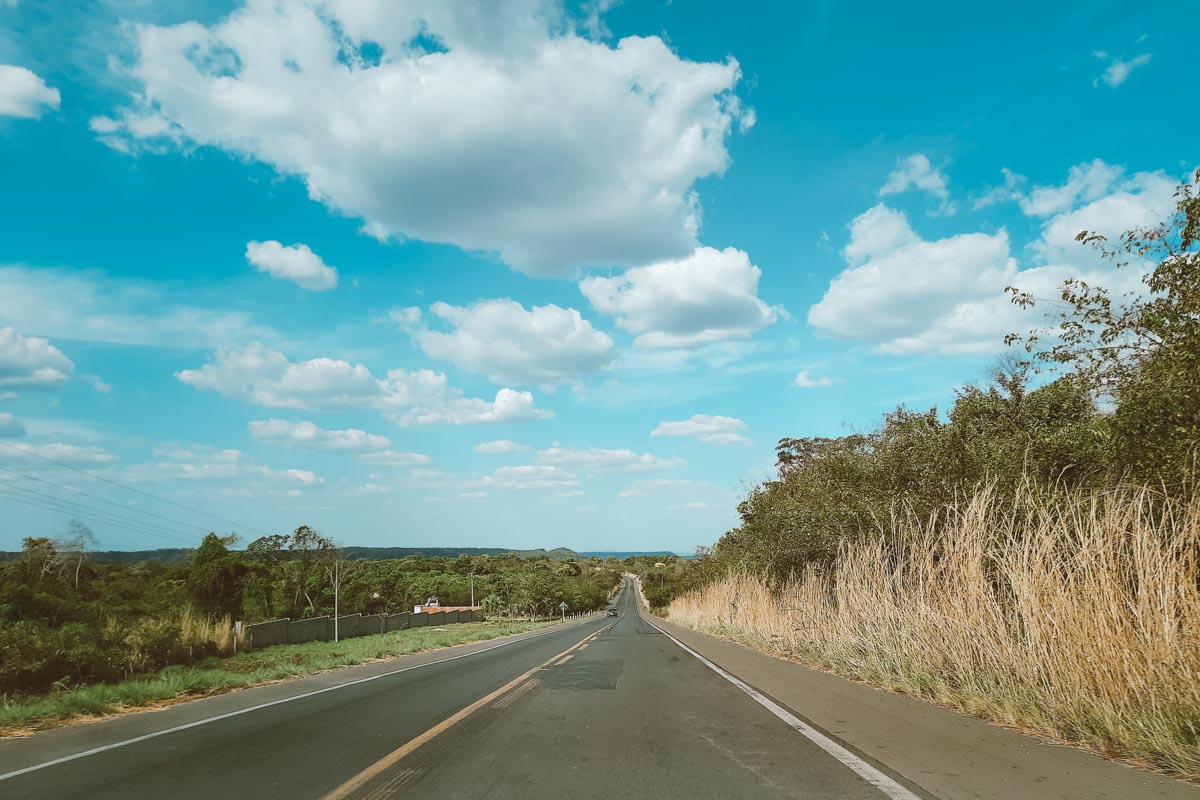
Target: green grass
{"x": 217, "y": 675}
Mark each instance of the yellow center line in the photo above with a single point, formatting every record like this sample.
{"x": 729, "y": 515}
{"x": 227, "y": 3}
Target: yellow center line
{"x": 359, "y": 780}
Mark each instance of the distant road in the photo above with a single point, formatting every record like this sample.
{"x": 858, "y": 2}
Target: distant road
{"x": 610, "y": 708}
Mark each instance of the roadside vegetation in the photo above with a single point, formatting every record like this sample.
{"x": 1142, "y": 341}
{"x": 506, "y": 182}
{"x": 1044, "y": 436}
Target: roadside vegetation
{"x": 1032, "y": 554}
{"x": 67, "y": 621}
{"x": 215, "y": 675}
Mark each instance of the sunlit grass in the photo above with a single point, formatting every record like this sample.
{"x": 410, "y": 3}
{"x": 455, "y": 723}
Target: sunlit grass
{"x": 215, "y": 675}
{"x": 1078, "y": 618}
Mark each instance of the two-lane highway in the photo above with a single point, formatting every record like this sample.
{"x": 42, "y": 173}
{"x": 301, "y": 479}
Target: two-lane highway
{"x": 610, "y": 707}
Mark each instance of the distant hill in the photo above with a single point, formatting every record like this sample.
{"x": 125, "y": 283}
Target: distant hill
{"x": 380, "y": 553}
{"x": 180, "y": 555}
{"x": 170, "y": 555}
{"x": 628, "y": 553}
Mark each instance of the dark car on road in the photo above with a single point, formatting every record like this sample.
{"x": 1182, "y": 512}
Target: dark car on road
{"x": 612, "y": 612}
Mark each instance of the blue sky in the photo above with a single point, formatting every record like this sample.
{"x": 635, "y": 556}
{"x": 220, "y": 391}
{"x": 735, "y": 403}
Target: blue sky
{"x": 431, "y": 273}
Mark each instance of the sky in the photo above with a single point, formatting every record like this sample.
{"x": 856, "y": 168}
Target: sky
{"x": 532, "y": 275}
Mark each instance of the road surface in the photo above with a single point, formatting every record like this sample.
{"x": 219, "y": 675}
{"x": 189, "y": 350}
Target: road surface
{"x": 612, "y": 707}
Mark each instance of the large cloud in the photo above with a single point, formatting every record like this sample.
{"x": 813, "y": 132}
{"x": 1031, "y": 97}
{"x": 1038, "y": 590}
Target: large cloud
{"x": 908, "y": 295}
{"x": 709, "y": 296}
{"x": 268, "y": 378}
{"x": 24, "y": 94}
{"x": 491, "y": 127}
{"x": 904, "y": 282}
{"x": 27, "y": 362}
{"x": 508, "y": 344}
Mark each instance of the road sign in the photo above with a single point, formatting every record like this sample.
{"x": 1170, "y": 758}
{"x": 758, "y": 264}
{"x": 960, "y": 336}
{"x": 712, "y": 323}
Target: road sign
{"x": 562, "y": 607}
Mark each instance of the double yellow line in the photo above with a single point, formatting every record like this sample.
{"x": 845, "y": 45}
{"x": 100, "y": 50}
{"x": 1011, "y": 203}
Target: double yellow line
{"x": 391, "y": 759}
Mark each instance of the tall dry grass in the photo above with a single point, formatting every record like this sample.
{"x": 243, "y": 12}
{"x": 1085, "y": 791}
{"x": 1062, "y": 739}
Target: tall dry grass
{"x": 1077, "y": 617}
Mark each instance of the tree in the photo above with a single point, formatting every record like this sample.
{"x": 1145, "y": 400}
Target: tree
{"x": 1142, "y": 349}
{"x": 215, "y": 580}
{"x": 40, "y": 555}
{"x": 310, "y": 550}
{"x": 76, "y": 545}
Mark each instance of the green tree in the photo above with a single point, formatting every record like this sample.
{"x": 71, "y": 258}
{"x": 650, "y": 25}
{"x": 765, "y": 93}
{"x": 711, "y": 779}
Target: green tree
{"x": 1142, "y": 349}
{"x": 215, "y": 580}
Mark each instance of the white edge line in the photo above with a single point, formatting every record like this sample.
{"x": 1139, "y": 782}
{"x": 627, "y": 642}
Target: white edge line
{"x": 239, "y": 712}
{"x": 866, "y": 771}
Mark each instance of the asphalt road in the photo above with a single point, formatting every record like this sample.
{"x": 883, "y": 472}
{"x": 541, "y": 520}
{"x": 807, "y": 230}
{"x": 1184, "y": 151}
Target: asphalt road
{"x": 608, "y": 708}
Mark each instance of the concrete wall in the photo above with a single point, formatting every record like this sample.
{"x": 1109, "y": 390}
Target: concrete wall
{"x": 265, "y": 634}
{"x": 320, "y": 629}
{"x": 317, "y": 629}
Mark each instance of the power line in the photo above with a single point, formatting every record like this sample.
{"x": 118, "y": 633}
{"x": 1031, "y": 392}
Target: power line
{"x": 131, "y": 489}
{"x": 16, "y": 498}
{"x": 21, "y": 493}
{"x": 25, "y": 490}
{"x": 102, "y": 500}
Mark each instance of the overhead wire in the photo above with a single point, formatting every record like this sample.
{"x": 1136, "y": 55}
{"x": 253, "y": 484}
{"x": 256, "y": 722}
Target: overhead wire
{"x": 62, "y": 508}
{"x": 132, "y": 489}
{"x": 26, "y": 491}
{"x": 103, "y": 500}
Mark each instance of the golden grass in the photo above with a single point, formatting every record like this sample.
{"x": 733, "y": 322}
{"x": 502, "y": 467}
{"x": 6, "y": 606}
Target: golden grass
{"x": 1078, "y": 617}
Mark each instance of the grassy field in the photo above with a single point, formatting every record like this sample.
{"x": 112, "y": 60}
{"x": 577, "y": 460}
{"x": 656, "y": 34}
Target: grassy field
{"x": 1077, "y": 619}
{"x": 216, "y": 675}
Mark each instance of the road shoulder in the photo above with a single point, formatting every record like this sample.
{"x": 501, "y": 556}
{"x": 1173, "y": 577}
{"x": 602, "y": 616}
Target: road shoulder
{"x": 948, "y": 754}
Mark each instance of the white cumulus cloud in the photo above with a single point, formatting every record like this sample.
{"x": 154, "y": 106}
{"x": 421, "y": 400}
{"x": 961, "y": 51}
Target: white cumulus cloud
{"x": 904, "y": 282}
{"x": 908, "y": 295}
{"x": 499, "y": 447}
{"x": 705, "y": 427}
{"x": 595, "y": 459}
{"x": 916, "y": 172}
{"x": 27, "y": 457}
{"x": 394, "y": 458}
{"x": 23, "y": 94}
{"x": 267, "y": 377}
{"x": 804, "y": 380}
{"x": 709, "y": 296}
{"x": 227, "y": 472}
{"x": 491, "y": 127}
{"x": 509, "y": 344}
{"x": 27, "y": 362}
{"x": 1085, "y": 182}
{"x": 296, "y": 263}
{"x": 530, "y": 477}
{"x": 307, "y": 435}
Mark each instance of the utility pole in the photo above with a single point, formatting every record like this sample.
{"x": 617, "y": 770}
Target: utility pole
{"x": 472, "y": 590}
{"x": 336, "y": 582}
